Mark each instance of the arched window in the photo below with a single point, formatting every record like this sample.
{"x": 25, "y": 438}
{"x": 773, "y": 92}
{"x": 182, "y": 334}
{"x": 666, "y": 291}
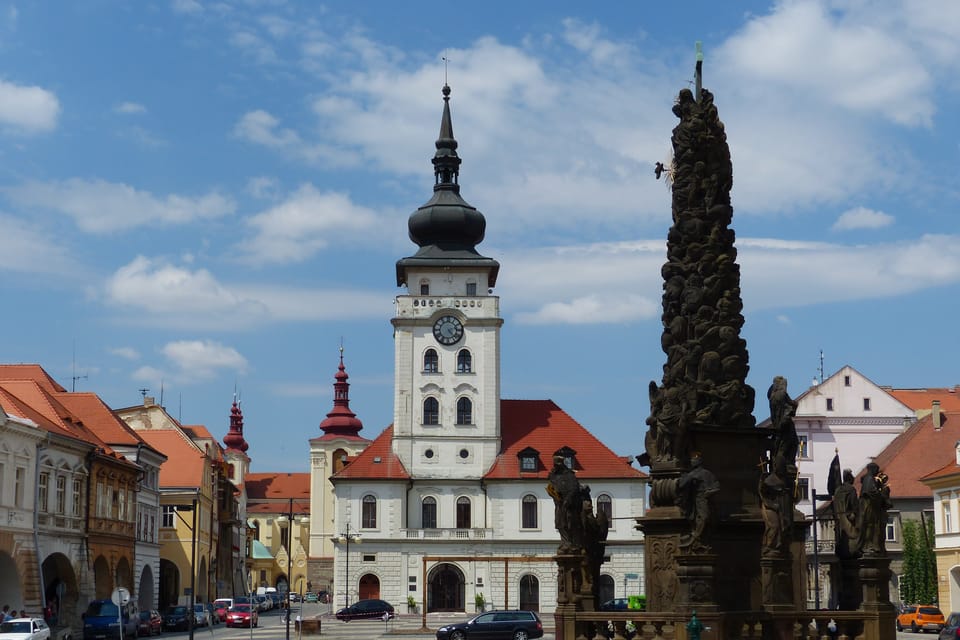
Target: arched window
{"x": 464, "y": 361}
{"x": 528, "y": 515}
{"x": 369, "y": 512}
{"x": 431, "y": 411}
{"x": 463, "y": 512}
{"x": 431, "y": 363}
{"x": 605, "y": 506}
{"x": 256, "y": 529}
{"x": 464, "y": 411}
{"x": 428, "y": 513}
{"x": 339, "y": 460}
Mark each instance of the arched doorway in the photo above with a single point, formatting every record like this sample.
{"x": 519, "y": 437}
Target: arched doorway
{"x": 124, "y": 574}
{"x": 10, "y": 582}
{"x": 605, "y": 589}
{"x": 201, "y": 580}
{"x": 529, "y": 593}
{"x": 169, "y": 584}
{"x": 369, "y": 586}
{"x": 103, "y": 583}
{"x": 282, "y": 584}
{"x": 145, "y": 596}
{"x": 61, "y": 591}
{"x": 445, "y": 588}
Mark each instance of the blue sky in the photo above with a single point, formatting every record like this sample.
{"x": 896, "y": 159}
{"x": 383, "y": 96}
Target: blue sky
{"x": 212, "y": 195}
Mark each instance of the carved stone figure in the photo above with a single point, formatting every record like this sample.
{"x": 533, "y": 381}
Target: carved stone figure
{"x": 595, "y": 529}
{"x": 695, "y": 490}
{"x": 846, "y": 512}
{"x": 874, "y": 503}
{"x": 782, "y": 410}
{"x": 564, "y": 488}
{"x": 771, "y": 492}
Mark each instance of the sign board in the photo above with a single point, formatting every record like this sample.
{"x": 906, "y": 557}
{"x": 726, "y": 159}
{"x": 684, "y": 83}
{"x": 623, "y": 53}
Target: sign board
{"x": 120, "y": 596}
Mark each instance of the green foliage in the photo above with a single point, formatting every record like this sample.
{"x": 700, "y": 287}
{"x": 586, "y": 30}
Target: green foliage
{"x": 918, "y": 584}
{"x": 478, "y": 599}
{"x": 411, "y": 601}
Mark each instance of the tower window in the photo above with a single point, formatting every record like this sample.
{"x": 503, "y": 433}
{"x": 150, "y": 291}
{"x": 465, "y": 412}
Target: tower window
{"x": 431, "y": 411}
{"x": 471, "y": 288}
{"x": 464, "y": 411}
{"x": 424, "y": 287}
{"x": 463, "y": 512}
{"x": 369, "y": 515}
{"x": 464, "y": 361}
{"x": 431, "y": 361}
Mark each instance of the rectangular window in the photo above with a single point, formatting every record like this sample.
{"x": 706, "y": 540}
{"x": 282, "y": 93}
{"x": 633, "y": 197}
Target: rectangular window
{"x": 167, "y": 519}
{"x": 368, "y": 516}
{"x": 846, "y": 381}
{"x": 429, "y": 514}
{"x": 803, "y": 489}
{"x": 424, "y": 288}
{"x": 43, "y": 492}
{"x": 829, "y": 404}
{"x": 471, "y": 288}
{"x": 77, "y": 498}
{"x": 131, "y": 506}
{"x": 947, "y": 518}
{"x": 866, "y": 404}
{"x": 528, "y": 463}
{"x": 369, "y": 557}
{"x": 891, "y": 529}
{"x": 61, "y": 494}
{"x": 18, "y": 486}
{"x": 802, "y": 449}
{"x": 121, "y": 505}
{"x": 153, "y": 527}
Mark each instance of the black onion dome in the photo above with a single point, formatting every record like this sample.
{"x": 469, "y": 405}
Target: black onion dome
{"x": 446, "y": 223}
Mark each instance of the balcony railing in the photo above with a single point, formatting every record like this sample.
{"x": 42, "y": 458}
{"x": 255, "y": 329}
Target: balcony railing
{"x": 449, "y": 534}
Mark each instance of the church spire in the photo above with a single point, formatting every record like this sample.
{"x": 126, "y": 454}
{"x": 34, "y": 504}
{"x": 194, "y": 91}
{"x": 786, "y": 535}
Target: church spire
{"x": 446, "y": 162}
{"x": 234, "y": 438}
{"x": 341, "y": 421}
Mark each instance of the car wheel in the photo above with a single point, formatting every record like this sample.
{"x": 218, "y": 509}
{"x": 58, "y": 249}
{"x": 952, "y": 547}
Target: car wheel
{"x": 519, "y": 634}
{"x": 457, "y": 635}
{"x": 899, "y": 626}
{"x": 913, "y": 627}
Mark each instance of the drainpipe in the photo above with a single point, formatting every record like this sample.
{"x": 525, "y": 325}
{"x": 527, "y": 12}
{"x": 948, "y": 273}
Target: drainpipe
{"x": 36, "y": 521}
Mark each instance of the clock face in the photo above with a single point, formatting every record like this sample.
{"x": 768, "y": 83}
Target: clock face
{"x": 448, "y": 330}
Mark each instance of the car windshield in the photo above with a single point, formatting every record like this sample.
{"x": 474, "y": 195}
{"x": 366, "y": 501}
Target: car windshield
{"x": 241, "y": 608}
{"x": 177, "y": 611}
{"x": 15, "y": 627}
{"x": 102, "y": 608}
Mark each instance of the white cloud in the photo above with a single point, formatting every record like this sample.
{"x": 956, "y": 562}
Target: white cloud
{"x": 186, "y": 6}
{"x": 27, "y": 109}
{"x": 127, "y": 353}
{"x": 305, "y": 223}
{"x": 31, "y": 250}
{"x": 130, "y": 108}
{"x": 262, "y": 187}
{"x": 612, "y": 308}
{"x": 98, "y": 206}
{"x": 202, "y": 358}
{"x": 862, "y": 218}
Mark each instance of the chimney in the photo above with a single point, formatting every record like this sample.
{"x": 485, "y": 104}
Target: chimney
{"x": 935, "y": 415}
{"x": 149, "y": 401}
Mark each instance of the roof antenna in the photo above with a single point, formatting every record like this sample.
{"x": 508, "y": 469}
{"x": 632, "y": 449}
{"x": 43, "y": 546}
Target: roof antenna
{"x": 698, "y": 73}
{"x": 75, "y": 377}
{"x": 446, "y": 61}
{"x": 821, "y": 366}
{"x": 143, "y": 392}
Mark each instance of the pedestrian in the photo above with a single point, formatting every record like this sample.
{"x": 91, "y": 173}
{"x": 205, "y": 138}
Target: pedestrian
{"x": 6, "y": 613}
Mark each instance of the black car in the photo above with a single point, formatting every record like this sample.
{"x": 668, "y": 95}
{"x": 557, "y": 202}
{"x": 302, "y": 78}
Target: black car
{"x": 366, "y": 609}
{"x": 951, "y": 629}
{"x": 495, "y": 625}
{"x": 617, "y": 604}
{"x": 177, "y": 618}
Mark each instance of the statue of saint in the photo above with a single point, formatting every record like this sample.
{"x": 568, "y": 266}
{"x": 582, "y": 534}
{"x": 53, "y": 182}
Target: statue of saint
{"x": 874, "y": 503}
{"x": 696, "y": 489}
{"x": 846, "y": 512}
{"x": 564, "y": 488}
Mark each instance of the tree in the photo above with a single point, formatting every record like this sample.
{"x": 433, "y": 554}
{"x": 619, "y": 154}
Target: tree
{"x": 918, "y": 584}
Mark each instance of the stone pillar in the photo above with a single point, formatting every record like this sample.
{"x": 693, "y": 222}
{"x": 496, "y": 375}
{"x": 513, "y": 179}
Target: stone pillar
{"x": 777, "y": 583}
{"x": 569, "y": 597}
{"x": 696, "y": 574}
{"x": 874, "y": 574}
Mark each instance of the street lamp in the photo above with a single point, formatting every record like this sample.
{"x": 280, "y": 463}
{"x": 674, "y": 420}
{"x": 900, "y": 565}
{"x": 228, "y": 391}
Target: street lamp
{"x": 347, "y": 538}
{"x": 191, "y": 615}
{"x": 287, "y": 521}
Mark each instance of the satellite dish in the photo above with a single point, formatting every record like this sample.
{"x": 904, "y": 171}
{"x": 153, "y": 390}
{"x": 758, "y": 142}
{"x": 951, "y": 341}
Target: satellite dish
{"x": 120, "y": 596}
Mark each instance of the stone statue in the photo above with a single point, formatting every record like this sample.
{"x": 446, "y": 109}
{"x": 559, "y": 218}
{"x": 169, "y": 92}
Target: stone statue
{"x": 782, "y": 410}
{"x": 564, "y": 488}
{"x": 695, "y": 490}
{"x": 846, "y": 512}
{"x": 771, "y": 492}
{"x": 595, "y": 529}
{"x": 874, "y": 503}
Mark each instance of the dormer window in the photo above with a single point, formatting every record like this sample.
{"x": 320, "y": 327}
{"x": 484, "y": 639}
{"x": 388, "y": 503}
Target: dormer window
{"x": 569, "y": 456}
{"x": 529, "y": 460}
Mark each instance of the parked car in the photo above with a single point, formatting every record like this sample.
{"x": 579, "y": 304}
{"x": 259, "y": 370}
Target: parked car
{"x": 24, "y": 629}
{"x": 495, "y": 625}
{"x": 150, "y": 623}
{"x": 310, "y": 596}
{"x": 920, "y": 617}
{"x": 324, "y": 596}
{"x": 103, "y": 618}
{"x": 617, "y": 604}
{"x": 177, "y": 618}
{"x": 366, "y": 609}
{"x": 951, "y": 628}
{"x": 202, "y": 615}
{"x": 242, "y": 615}
{"x": 294, "y": 597}
{"x": 262, "y": 603}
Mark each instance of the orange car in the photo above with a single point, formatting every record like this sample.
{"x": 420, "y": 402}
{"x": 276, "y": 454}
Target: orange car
{"x": 920, "y": 617}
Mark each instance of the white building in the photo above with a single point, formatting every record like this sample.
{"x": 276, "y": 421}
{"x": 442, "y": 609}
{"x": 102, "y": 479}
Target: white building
{"x": 450, "y": 501}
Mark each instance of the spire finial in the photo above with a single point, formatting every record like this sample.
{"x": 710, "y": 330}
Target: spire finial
{"x": 698, "y": 72}
{"x": 446, "y": 61}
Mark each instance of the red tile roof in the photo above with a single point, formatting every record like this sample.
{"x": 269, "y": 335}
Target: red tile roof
{"x": 99, "y": 418}
{"x": 376, "y": 462}
{"x": 922, "y": 399}
{"x": 537, "y": 424}
{"x": 918, "y": 452}
{"x": 184, "y": 466}
{"x": 271, "y": 492}
{"x": 542, "y": 425}
{"x": 30, "y": 372}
